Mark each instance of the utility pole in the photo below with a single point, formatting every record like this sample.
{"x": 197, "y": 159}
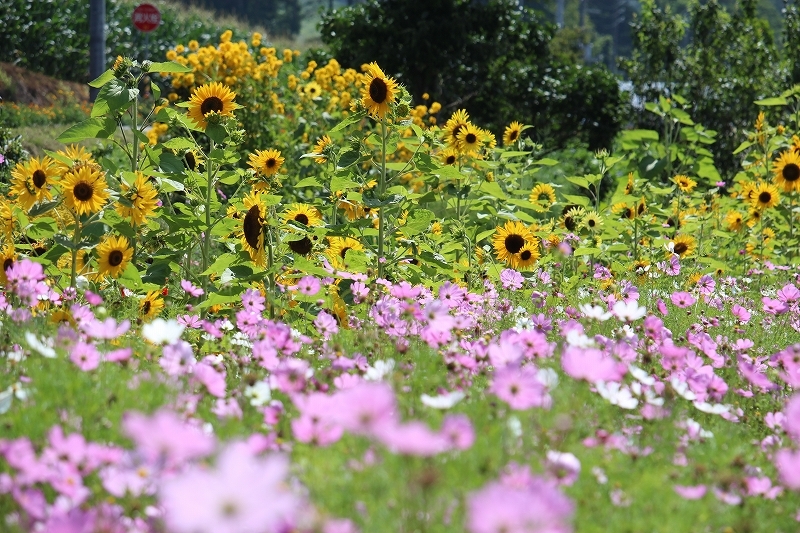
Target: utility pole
{"x": 560, "y": 13}
{"x": 97, "y": 42}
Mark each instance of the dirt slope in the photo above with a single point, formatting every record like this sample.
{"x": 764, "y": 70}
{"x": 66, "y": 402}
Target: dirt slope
{"x": 26, "y": 87}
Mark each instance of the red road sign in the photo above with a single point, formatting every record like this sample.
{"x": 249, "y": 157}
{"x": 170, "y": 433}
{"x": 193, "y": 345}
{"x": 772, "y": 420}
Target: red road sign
{"x": 146, "y": 17}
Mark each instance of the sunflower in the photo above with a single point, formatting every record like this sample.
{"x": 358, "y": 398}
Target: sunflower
{"x": 266, "y": 162}
{"x": 526, "y": 257}
{"x": 449, "y": 156}
{"x": 546, "y": 190}
{"x": 684, "y": 245}
{"x": 6, "y": 219}
{"x": 212, "y": 97}
{"x": 252, "y": 226}
{"x": 302, "y": 246}
{"x": 32, "y": 181}
{"x": 511, "y": 239}
{"x": 8, "y": 255}
{"x": 684, "y": 183}
{"x": 77, "y": 156}
{"x": 305, "y": 214}
{"x": 511, "y": 134}
{"x": 114, "y": 254}
{"x": 323, "y": 143}
{"x": 338, "y": 248}
{"x": 469, "y": 139}
{"x": 753, "y": 217}
{"x": 765, "y": 196}
{"x": 312, "y": 89}
{"x": 82, "y": 259}
{"x": 193, "y": 159}
{"x": 453, "y": 126}
{"x": 143, "y": 199}
{"x": 592, "y": 221}
{"x": 787, "y": 171}
{"x": 85, "y": 190}
{"x": 734, "y": 220}
{"x": 378, "y": 92}
{"x": 624, "y": 210}
{"x": 572, "y": 216}
{"x": 151, "y": 305}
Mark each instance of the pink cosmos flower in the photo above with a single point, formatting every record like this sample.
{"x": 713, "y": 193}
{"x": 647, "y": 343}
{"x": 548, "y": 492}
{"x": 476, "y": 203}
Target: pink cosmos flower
{"x": 458, "y": 430}
{"x": 690, "y": 492}
{"x": 511, "y": 279}
{"x": 536, "y": 507}
{"x": 326, "y": 325}
{"x": 213, "y": 380}
{"x": 85, "y": 356}
{"x": 520, "y": 388}
{"x": 742, "y": 314}
{"x": 591, "y": 364}
{"x": 315, "y": 424}
{"x": 563, "y": 467}
{"x": 106, "y": 329}
{"x": 683, "y": 299}
{"x": 365, "y": 408}
{"x": 791, "y": 421}
{"x": 242, "y": 493}
{"x": 190, "y": 289}
{"x": 706, "y": 285}
{"x": 774, "y": 307}
{"x": 789, "y": 294}
{"x": 308, "y": 285}
{"x": 788, "y": 464}
{"x": 412, "y": 438}
{"x": 164, "y": 438}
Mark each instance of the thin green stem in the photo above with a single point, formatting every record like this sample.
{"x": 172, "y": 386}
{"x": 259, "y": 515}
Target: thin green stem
{"x": 76, "y": 239}
{"x": 381, "y": 193}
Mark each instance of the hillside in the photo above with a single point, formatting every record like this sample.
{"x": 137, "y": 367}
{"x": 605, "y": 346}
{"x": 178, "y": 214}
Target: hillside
{"x": 23, "y": 86}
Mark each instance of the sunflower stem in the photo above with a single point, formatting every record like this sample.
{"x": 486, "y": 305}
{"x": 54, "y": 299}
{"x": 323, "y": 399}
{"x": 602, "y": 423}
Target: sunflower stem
{"x": 76, "y": 237}
{"x": 135, "y": 117}
{"x": 207, "y": 234}
{"x": 381, "y": 192}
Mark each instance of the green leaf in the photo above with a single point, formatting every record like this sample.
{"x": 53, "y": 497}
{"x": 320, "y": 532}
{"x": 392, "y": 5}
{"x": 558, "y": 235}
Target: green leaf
{"x": 418, "y": 222}
{"x": 510, "y": 154}
{"x": 42, "y": 208}
{"x": 114, "y": 96}
{"x": 342, "y": 184}
{"x": 216, "y": 298}
{"x": 744, "y": 146}
{"x": 313, "y": 181}
{"x": 546, "y": 161}
{"x": 217, "y": 133}
{"x": 168, "y": 66}
{"x": 178, "y": 143}
{"x": 778, "y": 100}
{"x": 579, "y": 181}
{"x": 352, "y": 119}
{"x": 92, "y": 128}
{"x": 577, "y": 200}
{"x": 102, "y": 79}
{"x": 493, "y": 188}
{"x": 586, "y": 251}
{"x": 222, "y": 262}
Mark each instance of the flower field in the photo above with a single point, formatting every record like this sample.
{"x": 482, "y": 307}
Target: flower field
{"x": 284, "y": 296}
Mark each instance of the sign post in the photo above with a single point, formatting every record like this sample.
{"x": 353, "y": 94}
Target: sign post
{"x": 146, "y": 18}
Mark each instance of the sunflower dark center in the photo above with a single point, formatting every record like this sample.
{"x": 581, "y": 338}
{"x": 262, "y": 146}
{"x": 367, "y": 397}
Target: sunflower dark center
{"x": 83, "y": 191}
{"x": 765, "y": 197}
{"x": 681, "y": 248}
{"x": 252, "y": 227}
{"x": 191, "y": 161}
{"x": 791, "y": 172}
{"x": 7, "y": 263}
{"x": 514, "y": 243}
{"x": 513, "y": 135}
{"x": 457, "y": 129}
{"x": 344, "y": 251}
{"x": 146, "y": 307}
{"x": 301, "y": 218}
{"x": 471, "y": 138}
{"x": 569, "y": 223}
{"x": 591, "y": 222}
{"x": 378, "y": 90}
{"x": 211, "y": 104}
{"x": 451, "y": 159}
{"x": 115, "y": 258}
{"x": 39, "y": 178}
{"x": 525, "y": 255}
{"x": 302, "y": 247}
{"x": 271, "y": 162}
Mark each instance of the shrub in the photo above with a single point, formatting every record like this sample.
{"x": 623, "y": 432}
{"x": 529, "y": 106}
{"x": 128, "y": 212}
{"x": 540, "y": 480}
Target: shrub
{"x": 11, "y": 151}
{"x": 491, "y": 58}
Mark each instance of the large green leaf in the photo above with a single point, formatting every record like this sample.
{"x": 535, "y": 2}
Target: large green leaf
{"x": 114, "y": 96}
{"x": 168, "y": 66}
{"x": 92, "y": 128}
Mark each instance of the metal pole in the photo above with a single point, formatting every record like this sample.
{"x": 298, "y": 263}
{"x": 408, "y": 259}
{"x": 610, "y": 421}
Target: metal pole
{"x": 97, "y": 42}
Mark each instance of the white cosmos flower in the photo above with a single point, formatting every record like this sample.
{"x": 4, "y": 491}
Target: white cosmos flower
{"x": 379, "y": 369}
{"x": 682, "y": 388}
{"x": 259, "y": 393}
{"x": 629, "y": 311}
{"x": 442, "y": 401}
{"x": 161, "y": 331}
{"x": 617, "y": 394}
{"x": 594, "y": 312}
{"x": 714, "y": 409}
{"x": 43, "y": 347}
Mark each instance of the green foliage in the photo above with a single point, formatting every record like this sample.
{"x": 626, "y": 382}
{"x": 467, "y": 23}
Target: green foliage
{"x": 52, "y": 36}
{"x": 729, "y": 62}
{"x": 492, "y": 59}
{"x": 11, "y": 150}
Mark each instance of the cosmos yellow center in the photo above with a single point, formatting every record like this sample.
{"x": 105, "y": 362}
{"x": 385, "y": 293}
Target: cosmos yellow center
{"x": 211, "y": 104}
{"x": 791, "y": 172}
{"x": 83, "y": 191}
{"x": 378, "y": 90}
{"x": 115, "y": 258}
{"x": 514, "y": 243}
{"x": 39, "y": 178}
